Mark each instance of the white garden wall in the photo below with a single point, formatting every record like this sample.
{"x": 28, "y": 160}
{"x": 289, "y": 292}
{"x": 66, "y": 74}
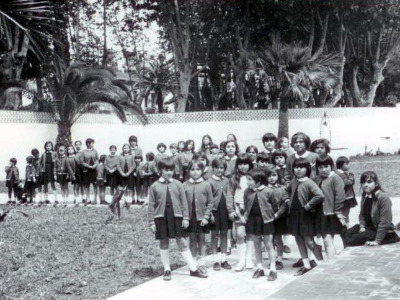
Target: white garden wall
{"x": 351, "y": 128}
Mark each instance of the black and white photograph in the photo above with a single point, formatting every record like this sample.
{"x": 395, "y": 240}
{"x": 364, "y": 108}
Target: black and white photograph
{"x": 199, "y": 149}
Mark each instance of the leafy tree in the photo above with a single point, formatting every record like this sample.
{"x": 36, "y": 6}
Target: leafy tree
{"x": 80, "y": 89}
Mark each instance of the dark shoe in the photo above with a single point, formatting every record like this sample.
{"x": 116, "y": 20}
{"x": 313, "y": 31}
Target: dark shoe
{"x": 258, "y": 273}
{"x": 286, "y": 249}
{"x": 87, "y": 203}
{"x": 225, "y": 265}
{"x": 279, "y": 265}
{"x": 104, "y": 202}
{"x": 313, "y": 264}
{"x": 272, "y": 276}
{"x": 302, "y": 271}
{"x": 167, "y": 275}
{"x": 216, "y": 266}
{"x": 198, "y": 273}
{"x": 47, "y": 202}
{"x": 126, "y": 205}
{"x": 298, "y": 264}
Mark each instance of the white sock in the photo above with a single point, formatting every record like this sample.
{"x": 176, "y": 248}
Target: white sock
{"x": 272, "y": 266}
{"x": 229, "y": 243}
{"x": 242, "y": 256}
{"x": 279, "y": 258}
{"x": 259, "y": 266}
{"x": 201, "y": 261}
{"x": 215, "y": 258}
{"x": 306, "y": 262}
{"x": 249, "y": 254}
{"x": 165, "y": 259}
{"x": 223, "y": 257}
{"x": 187, "y": 256}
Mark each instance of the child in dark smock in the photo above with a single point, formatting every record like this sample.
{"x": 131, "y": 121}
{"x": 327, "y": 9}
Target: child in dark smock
{"x": 221, "y": 222}
{"x": 200, "y": 203}
{"x": 259, "y": 216}
{"x": 168, "y": 216}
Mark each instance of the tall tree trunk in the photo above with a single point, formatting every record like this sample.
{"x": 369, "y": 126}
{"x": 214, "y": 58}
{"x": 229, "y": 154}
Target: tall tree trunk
{"x": 184, "y": 83}
{"x": 240, "y": 82}
{"x": 104, "y": 61}
{"x": 159, "y": 100}
{"x": 283, "y": 127}
{"x": 338, "y": 90}
{"x": 377, "y": 78}
{"x": 64, "y": 133}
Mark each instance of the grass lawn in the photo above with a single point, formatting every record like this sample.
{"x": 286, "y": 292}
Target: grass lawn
{"x": 76, "y": 253}
{"x": 83, "y": 253}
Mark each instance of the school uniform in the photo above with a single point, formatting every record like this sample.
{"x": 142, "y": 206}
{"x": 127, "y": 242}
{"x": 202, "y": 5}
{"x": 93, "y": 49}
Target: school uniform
{"x": 281, "y": 173}
{"x": 376, "y": 217}
{"x": 281, "y": 224}
{"x": 126, "y": 165}
{"x": 167, "y": 208}
{"x": 211, "y": 157}
{"x": 136, "y": 151}
{"x": 60, "y": 169}
{"x": 88, "y": 158}
{"x": 259, "y": 211}
{"x": 302, "y": 193}
{"x": 158, "y": 157}
{"x": 220, "y": 213}
{"x": 47, "y": 160}
{"x": 187, "y": 156}
{"x": 230, "y": 165}
{"x": 72, "y": 162}
{"x": 348, "y": 179}
{"x": 36, "y": 164}
{"x": 327, "y": 213}
{"x": 269, "y": 156}
{"x": 235, "y": 199}
{"x": 140, "y": 179}
{"x": 12, "y": 176}
{"x": 79, "y": 168}
{"x": 100, "y": 175}
{"x": 200, "y": 202}
{"x": 111, "y": 165}
{"x": 310, "y": 156}
{"x": 30, "y": 180}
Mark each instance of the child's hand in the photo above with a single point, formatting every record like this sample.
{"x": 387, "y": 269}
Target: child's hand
{"x": 275, "y": 216}
{"x": 153, "y": 228}
{"x": 212, "y": 219}
{"x": 55, "y": 177}
{"x": 232, "y": 216}
{"x": 307, "y": 207}
{"x": 180, "y": 177}
{"x": 204, "y": 222}
{"x": 373, "y": 243}
{"x": 362, "y": 229}
{"x": 342, "y": 219}
{"x": 185, "y": 224}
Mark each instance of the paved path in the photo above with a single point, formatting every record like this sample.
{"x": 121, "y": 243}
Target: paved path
{"x": 356, "y": 273}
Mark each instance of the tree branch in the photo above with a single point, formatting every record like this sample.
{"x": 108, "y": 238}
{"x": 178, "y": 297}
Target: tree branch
{"x": 323, "y": 38}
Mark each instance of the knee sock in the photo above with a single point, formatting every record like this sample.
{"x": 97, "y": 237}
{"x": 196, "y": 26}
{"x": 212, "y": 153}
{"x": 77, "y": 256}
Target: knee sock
{"x": 272, "y": 266}
{"x": 306, "y": 262}
{"x": 187, "y": 256}
{"x": 165, "y": 259}
{"x": 249, "y": 254}
{"x": 223, "y": 257}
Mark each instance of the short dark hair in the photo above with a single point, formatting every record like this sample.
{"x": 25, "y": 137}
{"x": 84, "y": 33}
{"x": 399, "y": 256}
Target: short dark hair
{"x": 161, "y": 145}
{"x": 370, "y": 175}
{"x": 269, "y": 136}
{"x": 324, "y": 142}
{"x": 89, "y": 141}
{"x": 13, "y": 160}
{"x": 48, "y": 142}
{"x": 113, "y": 146}
{"x": 150, "y": 156}
{"x": 262, "y": 157}
{"x": 243, "y": 158}
{"x": 302, "y": 163}
{"x": 35, "y": 152}
{"x": 305, "y": 137}
{"x": 166, "y": 164}
{"x": 138, "y": 156}
{"x": 29, "y": 159}
{"x": 77, "y": 141}
{"x": 277, "y": 153}
{"x": 197, "y": 162}
{"x": 280, "y": 140}
{"x": 133, "y": 138}
{"x": 70, "y": 146}
{"x": 187, "y": 144}
{"x": 341, "y": 161}
{"x": 214, "y": 146}
{"x": 258, "y": 176}
{"x": 252, "y": 147}
{"x": 219, "y": 161}
{"x": 199, "y": 155}
{"x": 102, "y": 158}
{"x": 324, "y": 160}
{"x": 173, "y": 146}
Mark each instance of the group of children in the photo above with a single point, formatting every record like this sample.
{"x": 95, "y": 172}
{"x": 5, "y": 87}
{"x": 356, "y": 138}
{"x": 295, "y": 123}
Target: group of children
{"x": 250, "y": 197}
{"x": 262, "y": 197}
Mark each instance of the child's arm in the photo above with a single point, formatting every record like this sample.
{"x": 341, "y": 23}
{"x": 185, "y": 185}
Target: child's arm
{"x": 340, "y": 198}
{"x": 184, "y": 206}
{"x": 229, "y": 203}
{"x": 7, "y": 168}
{"x": 132, "y": 168}
{"x": 209, "y": 203}
{"x": 70, "y": 170}
{"x": 316, "y": 193}
{"x": 348, "y": 179}
{"x": 151, "y": 208}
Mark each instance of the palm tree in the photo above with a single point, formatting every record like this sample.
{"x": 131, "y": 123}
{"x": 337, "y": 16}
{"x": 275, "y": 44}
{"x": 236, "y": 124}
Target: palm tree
{"x": 80, "y": 89}
{"x": 25, "y": 27}
{"x": 295, "y": 73}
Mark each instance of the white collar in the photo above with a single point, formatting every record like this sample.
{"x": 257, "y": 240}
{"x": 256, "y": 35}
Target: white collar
{"x": 302, "y": 179}
{"x": 304, "y": 155}
{"x": 269, "y": 152}
{"x": 340, "y": 171}
{"x": 205, "y": 169}
{"x": 274, "y": 185}
{"x": 230, "y": 158}
{"x": 163, "y": 180}
{"x": 278, "y": 167}
{"x": 197, "y": 181}
{"x": 260, "y": 188}
{"x": 217, "y": 178}
{"x": 331, "y": 174}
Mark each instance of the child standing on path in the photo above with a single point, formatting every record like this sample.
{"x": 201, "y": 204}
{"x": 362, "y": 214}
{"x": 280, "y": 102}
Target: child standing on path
{"x": 12, "y": 178}
{"x": 259, "y": 216}
{"x": 61, "y": 171}
{"x": 30, "y": 180}
{"x": 89, "y": 159}
{"x": 126, "y": 167}
{"x": 47, "y": 169}
{"x": 111, "y": 167}
{"x": 178, "y": 162}
{"x": 236, "y": 188}
{"x": 329, "y": 219}
{"x": 220, "y": 222}
{"x": 187, "y": 157}
{"x": 168, "y": 216}
{"x": 302, "y": 195}
{"x": 101, "y": 180}
{"x": 200, "y": 202}
{"x": 72, "y": 167}
{"x": 36, "y": 164}
{"x": 342, "y": 169}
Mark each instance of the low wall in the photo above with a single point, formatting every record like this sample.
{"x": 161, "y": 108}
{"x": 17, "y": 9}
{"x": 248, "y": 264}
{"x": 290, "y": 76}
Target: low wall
{"x": 350, "y": 128}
